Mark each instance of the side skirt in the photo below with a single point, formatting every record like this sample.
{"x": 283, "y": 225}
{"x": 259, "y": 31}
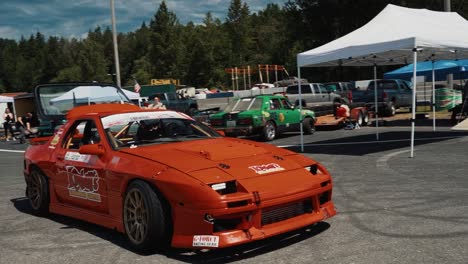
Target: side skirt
{"x": 88, "y": 216}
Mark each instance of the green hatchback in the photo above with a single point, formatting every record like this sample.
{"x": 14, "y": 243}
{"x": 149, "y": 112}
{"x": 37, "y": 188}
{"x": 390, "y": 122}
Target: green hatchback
{"x": 264, "y": 115}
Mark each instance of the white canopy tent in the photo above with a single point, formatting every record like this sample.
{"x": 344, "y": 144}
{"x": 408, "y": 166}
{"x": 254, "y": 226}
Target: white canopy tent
{"x": 397, "y": 35}
{"x": 131, "y": 95}
{"x": 6, "y": 99}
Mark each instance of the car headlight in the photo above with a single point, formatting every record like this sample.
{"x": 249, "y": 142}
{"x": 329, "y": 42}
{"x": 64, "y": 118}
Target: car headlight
{"x": 225, "y": 187}
{"x": 314, "y": 169}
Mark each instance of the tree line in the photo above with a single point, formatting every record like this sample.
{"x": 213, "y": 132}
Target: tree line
{"x": 197, "y": 54}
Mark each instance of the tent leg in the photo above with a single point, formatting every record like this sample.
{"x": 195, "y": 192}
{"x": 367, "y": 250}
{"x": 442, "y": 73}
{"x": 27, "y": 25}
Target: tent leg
{"x": 300, "y": 106}
{"x": 413, "y": 116}
{"x": 376, "y": 105}
{"x": 433, "y": 98}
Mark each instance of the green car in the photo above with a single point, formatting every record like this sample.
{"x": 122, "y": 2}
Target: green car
{"x": 264, "y": 115}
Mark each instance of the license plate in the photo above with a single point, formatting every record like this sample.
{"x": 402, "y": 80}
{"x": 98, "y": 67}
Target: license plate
{"x": 205, "y": 241}
{"x": 231, "y": 123}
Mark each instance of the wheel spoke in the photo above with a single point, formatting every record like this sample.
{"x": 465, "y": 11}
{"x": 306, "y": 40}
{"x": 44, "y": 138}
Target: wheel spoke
{"x": 137, "y": 233}
{"x": 132, "y": 201}
{"x": 132, "y": 229}
{"x": 131, "y": 219}
{"x": 142, "y": 231}
{"x": 131, "y": 210}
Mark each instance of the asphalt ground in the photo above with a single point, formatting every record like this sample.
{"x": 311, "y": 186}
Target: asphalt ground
{"x": 391, "y": 208}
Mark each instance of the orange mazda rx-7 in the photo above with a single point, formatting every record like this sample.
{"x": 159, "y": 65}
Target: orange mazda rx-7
{"x": 164, "y": 179}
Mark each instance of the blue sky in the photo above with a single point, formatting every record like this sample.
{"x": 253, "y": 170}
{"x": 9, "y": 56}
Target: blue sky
{"x": 74, "y": 18}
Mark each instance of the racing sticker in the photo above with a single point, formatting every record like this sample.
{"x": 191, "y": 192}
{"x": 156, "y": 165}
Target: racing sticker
{"x": 266, "y": 168}
{"x": 281, "y": 117}
{"x": 75, "y": 156}
{"x": 83, "y": 183}
{"x": 205, "y": 241}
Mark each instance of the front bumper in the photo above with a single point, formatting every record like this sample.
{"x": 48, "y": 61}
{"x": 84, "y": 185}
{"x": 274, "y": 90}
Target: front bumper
{"x": 252, "y": 220}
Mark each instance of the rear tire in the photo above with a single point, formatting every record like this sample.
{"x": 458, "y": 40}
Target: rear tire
{"x": 308, "y": 125}
{"x": 366, "y": 118}
{"x": 146, "y": 224}
{"x": 37, "y": 191}
{"x": 360, "y": 119}
{"x": 269, "y": 131}
{"x": 390, "y": 109}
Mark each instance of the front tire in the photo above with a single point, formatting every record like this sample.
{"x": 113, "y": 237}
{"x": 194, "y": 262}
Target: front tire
{"x": 145, "y": 222}
{"x": 308, "y": 125}
{"x": 269, "y": 131}
{"x": 37, "y": 191}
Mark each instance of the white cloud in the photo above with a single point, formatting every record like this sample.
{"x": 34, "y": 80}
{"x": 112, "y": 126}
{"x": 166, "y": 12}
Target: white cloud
{"x": 9, "y": 32}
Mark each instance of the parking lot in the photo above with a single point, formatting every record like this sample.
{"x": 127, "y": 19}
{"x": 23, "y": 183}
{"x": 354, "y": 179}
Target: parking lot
{"x": 391, "y": 208}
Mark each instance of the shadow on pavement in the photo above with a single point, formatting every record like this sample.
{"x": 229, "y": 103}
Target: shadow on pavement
{"x": 367, "y": 144}
{"x": 22, "y": 205}
{"x": 226, "y": 255}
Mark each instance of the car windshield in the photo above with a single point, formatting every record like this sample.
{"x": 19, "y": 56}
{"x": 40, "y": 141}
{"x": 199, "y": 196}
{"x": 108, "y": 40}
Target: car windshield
{"x": 153, "y": 127}
{"x": 58, "y": 99}
{"x": 244, "y": 104}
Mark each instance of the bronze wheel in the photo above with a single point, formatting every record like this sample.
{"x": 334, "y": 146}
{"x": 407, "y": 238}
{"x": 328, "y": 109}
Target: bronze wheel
{"x": 38, "y": 192}
{"x": 145, "y": 218}
{"x": 135, "y": 216}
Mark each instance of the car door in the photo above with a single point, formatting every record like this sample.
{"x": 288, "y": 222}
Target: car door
{"x": 406, "y": 94}
{"x": 275, "y": 112}
{"x": 317, "y": 96}
{"x": 291, "y": 116}
{"x": 175, "y": 104}
{"x": 81, "y": 178}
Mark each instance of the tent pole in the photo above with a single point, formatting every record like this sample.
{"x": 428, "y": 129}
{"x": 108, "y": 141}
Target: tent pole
{"x": 413, "y": 115}
{"x": 300, "y": 106}
{"x": 376, "y": 106}
{"x": 433, "y": 98}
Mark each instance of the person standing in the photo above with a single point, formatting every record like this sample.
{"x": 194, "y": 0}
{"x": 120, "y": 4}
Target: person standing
{"x": 8, "y": 124}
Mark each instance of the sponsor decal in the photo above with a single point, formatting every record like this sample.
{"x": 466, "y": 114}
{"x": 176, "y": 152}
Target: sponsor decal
{"x": 205, "y": 241}
{"x": 115, "y": 160}
{"x": 55, "y": 140}
{"x": 125, "y": 118}
{"x": 75, "y": 156}
{"x": 83, "y": 183}
{"x": 265, "y": 114}
{"x": 266, "y": 168}
{"x": 281, "y": 117}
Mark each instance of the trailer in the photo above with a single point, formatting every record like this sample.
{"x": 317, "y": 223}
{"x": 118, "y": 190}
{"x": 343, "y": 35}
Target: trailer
{"x": 358, "y": 114}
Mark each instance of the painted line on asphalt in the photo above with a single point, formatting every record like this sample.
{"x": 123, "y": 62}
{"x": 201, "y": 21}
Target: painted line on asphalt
{"x": 368, "y": 142}
{"x": 12, "y": 151}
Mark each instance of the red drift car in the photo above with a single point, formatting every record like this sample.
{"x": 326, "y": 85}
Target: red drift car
{"x": 164, "y": 179}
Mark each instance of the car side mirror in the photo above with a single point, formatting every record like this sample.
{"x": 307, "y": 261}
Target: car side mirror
{"x": 92, "y": 149}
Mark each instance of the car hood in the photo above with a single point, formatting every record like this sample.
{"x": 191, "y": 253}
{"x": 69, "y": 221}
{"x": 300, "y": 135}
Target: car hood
{"x": 229, "y": 158}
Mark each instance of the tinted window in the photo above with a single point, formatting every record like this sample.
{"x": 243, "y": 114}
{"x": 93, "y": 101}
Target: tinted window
{"x": 286, "y": 103}
{"x": 294, "y": 89}
{"x": 82, "y": 132}
{"x": 387, "y": 85}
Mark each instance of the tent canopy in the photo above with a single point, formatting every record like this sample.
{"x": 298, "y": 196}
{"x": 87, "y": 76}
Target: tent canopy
{"x": 131, "y": 95}
{"x": 82, "y": 94}
{"x": 6, "y": 99}
{"x": 390, "y": 38}
{"x": 441, "y": 68}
